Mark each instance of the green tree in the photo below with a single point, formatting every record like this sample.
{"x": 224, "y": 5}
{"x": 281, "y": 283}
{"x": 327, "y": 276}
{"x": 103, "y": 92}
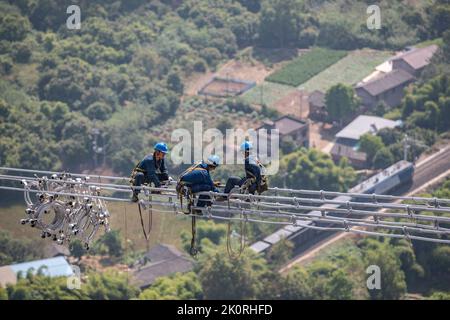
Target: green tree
{"x": 14, "y": 250}
{"x": 14, "y": 27}
{"x": 252, "y": 5}
{"x": 280, "y": 253}
{"x": 329, "y": 282}
{"x": 370, "y": 144}
{"x": 99, "y": 111}
{"x": 21, "y": 52}
{"x": 223, "y": 278}
{"x": 209, "y": 235}
{"x": 439, "y": 295}
{"x": 312, "y": 169}
{"x": 383, "y": 158}
{"x": 175, "y": 83}
{"x": 337, "y": 35}
{"x": 296, "y": 285}
{"x": 280, "y": 23}
{"x": 270, "y": 286}
{"x": 340, "y": 102}
{"x": 77, "y": 249}
{"x": 113, "y": 241}
{"x": 440, "y": 267}
{"x": 177, "y": 287}
{"x": 393, "y": 285}
{"x": 446, "y": 46}
{"x": 108, "y": 286}
{"x": 6, "y": 65}
{"x": 440, "y": 17}
{"x": 3, "y": 294}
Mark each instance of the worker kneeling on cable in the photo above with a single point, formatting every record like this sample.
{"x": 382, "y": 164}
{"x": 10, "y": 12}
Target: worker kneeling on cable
{"x": 254, "y": 180}
{"x": 150, "y": 170}
{"x": 197, "y": 178}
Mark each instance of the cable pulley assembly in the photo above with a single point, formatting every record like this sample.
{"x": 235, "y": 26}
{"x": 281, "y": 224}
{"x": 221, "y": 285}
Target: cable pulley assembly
{"x": 63, "y": 217}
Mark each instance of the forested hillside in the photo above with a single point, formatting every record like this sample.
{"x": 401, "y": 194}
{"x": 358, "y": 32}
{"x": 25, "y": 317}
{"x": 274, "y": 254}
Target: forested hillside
{"x": 124, "y": 71}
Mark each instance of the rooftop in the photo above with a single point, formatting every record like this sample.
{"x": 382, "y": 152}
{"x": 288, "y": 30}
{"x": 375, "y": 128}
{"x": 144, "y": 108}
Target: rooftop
{"x": 386, "y": 82}
{"x": 317, "y": 98}
{"x": 286, "y": 124}
{"x": 349, "y": 152}
{"x": 377, "y": 179}
{"x": 364, "y": 124}
{"x": 53, "y": 267}
{"x": 164, "y": 260}
{"x": 418, "y": 58}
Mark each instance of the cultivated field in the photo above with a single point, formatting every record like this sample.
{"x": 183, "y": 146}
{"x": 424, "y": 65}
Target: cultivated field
{"x": 349, "y": 70}
{"x": 306, "y": 66}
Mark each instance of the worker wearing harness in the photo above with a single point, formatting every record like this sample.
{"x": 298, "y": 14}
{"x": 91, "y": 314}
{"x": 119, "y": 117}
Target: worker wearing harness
{"x": 197, "y": 178}
{"x": 254, "y": 179}
{"x": 150, "y": 170}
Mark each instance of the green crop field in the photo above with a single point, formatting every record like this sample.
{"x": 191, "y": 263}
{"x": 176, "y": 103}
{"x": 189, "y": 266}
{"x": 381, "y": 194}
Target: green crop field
{"x": 350, "y": 70}
{"x": 306, "y": 66}
{"x": 267, "y": 92}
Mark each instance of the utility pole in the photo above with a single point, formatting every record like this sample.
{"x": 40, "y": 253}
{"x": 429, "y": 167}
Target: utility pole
{"x": 405, "y": 147}
{"x": 228, "y": 81}
{"x": 407, "y": 143}
{"x": 97, "y": 150}
{"x": 300, "y": 98}
{"x": 262, "y": 93}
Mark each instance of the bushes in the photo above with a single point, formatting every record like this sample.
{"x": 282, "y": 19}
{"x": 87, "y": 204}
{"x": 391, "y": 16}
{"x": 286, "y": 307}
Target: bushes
{"x": 21, "y": 52}
{"x": 99, "y": 111}
{"x": 383, "y": 158}
{"x": 6, "y": 65}
{"x": 312, "y": 169}
{"x": 13, "y": 27}
{"x": 428, "y": 105}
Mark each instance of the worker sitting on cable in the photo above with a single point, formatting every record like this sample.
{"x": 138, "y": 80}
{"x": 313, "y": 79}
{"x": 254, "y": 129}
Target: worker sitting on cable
{"x": 150, "y": 170}
{"x": 198, "y": 179}
{"x": 254, "y": 179}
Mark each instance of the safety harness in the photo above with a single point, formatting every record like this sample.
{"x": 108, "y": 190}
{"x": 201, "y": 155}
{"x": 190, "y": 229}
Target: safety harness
{"x": 260, "y": 188}
{"x": 146, "y": 233}
{"x": 184, "y": 190}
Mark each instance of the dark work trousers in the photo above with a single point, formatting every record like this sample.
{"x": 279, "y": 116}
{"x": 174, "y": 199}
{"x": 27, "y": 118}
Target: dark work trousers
{"x": 140, "y": 178}
{"x": 237, "y": 182}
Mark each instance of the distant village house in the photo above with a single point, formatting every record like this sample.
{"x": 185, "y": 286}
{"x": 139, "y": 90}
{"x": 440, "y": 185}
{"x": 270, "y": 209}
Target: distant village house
{"x": 347, "y": 142}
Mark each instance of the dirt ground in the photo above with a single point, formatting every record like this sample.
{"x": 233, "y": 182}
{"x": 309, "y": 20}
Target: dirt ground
{"x": 321, "y": 136}
{"x": 295, "y": 103}
{"x": 255, "y": 71}
{"x": 223, "y": 88}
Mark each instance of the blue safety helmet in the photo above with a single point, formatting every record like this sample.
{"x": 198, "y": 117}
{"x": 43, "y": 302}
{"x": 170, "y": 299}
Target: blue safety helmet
{"x": 161, "y": 146}
{"x": 213, "y": 160}
{"x": 246, "y": 146}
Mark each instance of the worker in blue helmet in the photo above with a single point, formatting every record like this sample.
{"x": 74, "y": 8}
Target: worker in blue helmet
{"x": 151, "y": 170}
{"x": 254, "y": 179}
{"x": 198, "y": 179}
